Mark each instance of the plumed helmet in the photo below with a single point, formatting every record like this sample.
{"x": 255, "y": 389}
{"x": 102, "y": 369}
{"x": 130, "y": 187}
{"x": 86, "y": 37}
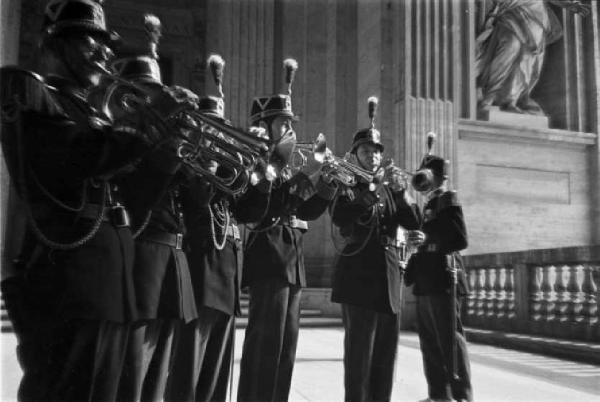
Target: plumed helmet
{"x": 141, "y": 64}
{"x": 278, "y": 104}
{"x": 437, "y": 164}
{"x": 431, "y": 166}
{"x": 214, "y": 106}
{"x": 63, "y": 17}
{"x": 369, "y": 135}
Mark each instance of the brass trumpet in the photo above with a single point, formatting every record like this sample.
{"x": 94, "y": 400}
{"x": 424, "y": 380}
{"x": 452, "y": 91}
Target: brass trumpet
{"x": 203, "y": 140}
{"x": 299, "y": 155}
{"x": 343, "y": 171}
{"x": 236, "y": 151}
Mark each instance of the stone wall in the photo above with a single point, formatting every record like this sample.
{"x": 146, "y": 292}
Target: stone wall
{"x": 524, "y": 188}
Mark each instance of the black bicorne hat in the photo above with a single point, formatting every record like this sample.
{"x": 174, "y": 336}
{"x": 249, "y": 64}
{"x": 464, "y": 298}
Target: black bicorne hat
{"x": 279, "y": 104}
{"x": 141, "y": 64}
{"x": 69, "y": 16}
{"x": 369, "y": 135}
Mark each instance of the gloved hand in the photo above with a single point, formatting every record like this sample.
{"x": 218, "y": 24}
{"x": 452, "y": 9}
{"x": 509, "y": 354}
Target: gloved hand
{"x": 414, "y": 238}
{"x": 312, "y": 165}
{"x": 395, "y": 177}
{"x": 169, "y": 101}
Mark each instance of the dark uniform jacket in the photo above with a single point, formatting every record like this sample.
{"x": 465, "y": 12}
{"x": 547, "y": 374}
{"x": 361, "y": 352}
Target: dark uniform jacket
{"x": 162, "y": 275}
{"x": 367, "y": 272}
{"x": 274, "y": 249}
{"x": 446, "y": 234}
{"x": 216, "y": 274}
{"x": 65, "y": 159}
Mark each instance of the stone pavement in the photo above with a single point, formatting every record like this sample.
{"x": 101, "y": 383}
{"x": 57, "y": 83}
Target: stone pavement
{"x": 499, "y": 375}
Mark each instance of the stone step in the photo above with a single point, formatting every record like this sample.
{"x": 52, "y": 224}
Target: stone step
{"x": 303, "y": 312}
{"x": 305, "y": 322}
{"x": 585, "y": 352}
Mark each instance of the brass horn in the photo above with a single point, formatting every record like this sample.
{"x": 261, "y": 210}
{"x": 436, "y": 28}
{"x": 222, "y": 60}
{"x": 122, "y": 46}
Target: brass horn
{"x": 299, "y": 155}
{"x": 235, "y": 150}
{"x": 346, "y": 172}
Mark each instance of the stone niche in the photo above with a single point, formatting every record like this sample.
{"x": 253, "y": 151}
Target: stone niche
{"x": 524, "y": 187}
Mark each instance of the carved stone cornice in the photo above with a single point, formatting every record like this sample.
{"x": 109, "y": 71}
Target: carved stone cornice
{"x": 488, "y": 131}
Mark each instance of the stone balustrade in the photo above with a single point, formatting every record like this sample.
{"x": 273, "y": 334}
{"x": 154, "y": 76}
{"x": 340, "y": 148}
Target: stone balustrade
{"x": 552, "y": 292}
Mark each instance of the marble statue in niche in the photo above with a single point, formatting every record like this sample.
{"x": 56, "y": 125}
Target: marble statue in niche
{"x": 510, "y": 51}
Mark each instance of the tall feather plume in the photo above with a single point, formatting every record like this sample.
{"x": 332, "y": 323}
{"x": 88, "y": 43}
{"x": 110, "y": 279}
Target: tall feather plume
{"x": 154, "y": 31}
{"x": 373, "y": 102}
{"x": 430, "y": 140}
{"x": 217, "y": 67}
{"x": 290, "y": 65}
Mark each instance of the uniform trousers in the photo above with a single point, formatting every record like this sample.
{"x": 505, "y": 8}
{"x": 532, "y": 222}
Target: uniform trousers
{"x": 435, "y": 336}
{"x": 203, "y": 358}
{"x": 71, "y": 310}
{"x": 85, "y": 361}
{"x": 269, "y": 348}
{"x": 370, "y": 345}
{"x": 148, "y": 360}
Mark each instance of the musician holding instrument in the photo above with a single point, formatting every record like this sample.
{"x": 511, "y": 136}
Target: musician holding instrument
{"x": 162, "y": 278}
{"x": 204, "y": 355}
{"x": 436, "y": 270}
{"x": 367, "y": 278}
{"x": 273, "y": 269}
{"x": 73, "y": 300}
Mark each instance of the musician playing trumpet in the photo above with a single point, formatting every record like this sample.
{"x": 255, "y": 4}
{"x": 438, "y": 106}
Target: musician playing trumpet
{"x": 203, "y": 356}
{"x": 75, "y": 288}
{"x": 273, "y": 259}
{"x": 161, "y": 273}
{"x": 367, "y": 278}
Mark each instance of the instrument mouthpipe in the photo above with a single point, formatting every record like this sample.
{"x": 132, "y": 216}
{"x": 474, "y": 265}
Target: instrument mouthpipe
{"x": 238, "y": 134}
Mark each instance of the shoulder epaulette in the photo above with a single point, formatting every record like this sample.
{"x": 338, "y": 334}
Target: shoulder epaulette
{"x": 24, "y": 90}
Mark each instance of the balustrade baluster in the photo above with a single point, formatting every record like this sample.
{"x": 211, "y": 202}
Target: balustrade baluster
{"x": 499, "y": 310}
{"x": 509, "y": 288}
{"x": 536, "y": 295}
{"x": 562, "y": 297}
{"x": 490, "y": 294}
{"x": 480, "y": 303}
{"x": 472, "y": 296}
{"x": 548, "y": 293}
{"x": 589, "y": 289}
{"x": 575, "y": 295}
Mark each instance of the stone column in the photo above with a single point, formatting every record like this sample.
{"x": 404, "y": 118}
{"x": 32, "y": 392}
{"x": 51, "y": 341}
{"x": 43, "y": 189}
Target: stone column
{"x": 595, "y": 150}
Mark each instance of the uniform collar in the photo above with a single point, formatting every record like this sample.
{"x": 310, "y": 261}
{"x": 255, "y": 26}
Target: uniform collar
{"x": 436, "y": 193}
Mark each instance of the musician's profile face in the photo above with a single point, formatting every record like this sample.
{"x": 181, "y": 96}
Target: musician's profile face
{"x": 85, "y": 52}
{"x": 281, "y": 126}
{"x": 369, "y": 156}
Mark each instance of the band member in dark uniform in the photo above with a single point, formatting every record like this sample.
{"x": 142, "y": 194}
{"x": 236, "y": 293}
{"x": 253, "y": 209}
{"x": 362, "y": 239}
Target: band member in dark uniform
{"x": 77, "y": 295}
{"x": 273, "y": 259}
{"x": 367, "y": 276}
{"x": 203, "y": 360}
{"x": 161, "y": 273}
{"x": 439, "y": 282}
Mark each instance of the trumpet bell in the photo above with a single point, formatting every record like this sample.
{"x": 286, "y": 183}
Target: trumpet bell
{"x": 318, "y": 148}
